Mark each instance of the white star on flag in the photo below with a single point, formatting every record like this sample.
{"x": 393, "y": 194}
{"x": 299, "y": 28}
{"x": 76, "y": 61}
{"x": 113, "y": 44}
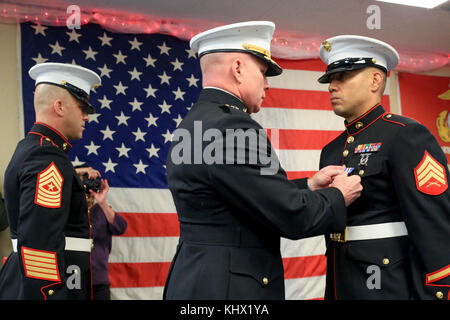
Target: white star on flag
{"x": 136, "y": 105}
{"x": 152, "y": 151}
{"x": 135, "y": 44}
{"x": 140, "y": 167}
{"x": 139, "y": 134}
{"x": 120, "y": 88}
{"x": 123, "y": 150}
{"x": 56, "y": 48}
{"x": 108, "y": 133}
{"x": 92, "y": 148}
{"x": 73, "y": 36}
{"x": 109, "y": 166}
{"x": 122, "y": 119}
{"x": 120, "y": 58}
{"x": 105, "y": 102}
{"x": 164, "y": 49}
{"x": 105, "y": 40}
{"x": 90, "y": 54}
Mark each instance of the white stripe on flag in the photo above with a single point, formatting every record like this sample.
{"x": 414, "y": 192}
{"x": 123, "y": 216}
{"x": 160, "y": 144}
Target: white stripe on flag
{"x": 141, "y": 200}
{"x": 305, "y": 288}
{"x": 303, "y": 80}
{"x": 299, "y": 119}
{"x": 305, "y": 247}
{"x": 299, "y": 160}
{"x": 143, "y": 249}
{"x": 142, "y": 293}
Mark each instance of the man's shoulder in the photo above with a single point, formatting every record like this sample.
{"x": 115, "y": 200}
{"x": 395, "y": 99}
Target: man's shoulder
{"x": 392, "y": 119}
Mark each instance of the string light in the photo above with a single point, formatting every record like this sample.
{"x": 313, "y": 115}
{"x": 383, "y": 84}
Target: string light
{"x": 282, "y": 44}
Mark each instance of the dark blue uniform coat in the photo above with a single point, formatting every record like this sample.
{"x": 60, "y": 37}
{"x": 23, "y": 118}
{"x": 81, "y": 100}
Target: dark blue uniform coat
{"x": 231, "y": 215}
{"x": 405, "y": 178}
{"x": 45, "y": 202}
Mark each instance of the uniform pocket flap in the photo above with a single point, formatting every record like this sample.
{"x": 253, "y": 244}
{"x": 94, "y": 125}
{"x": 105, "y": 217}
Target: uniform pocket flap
{"x": 263, "y": 266}
{"x": 381, "y": 252}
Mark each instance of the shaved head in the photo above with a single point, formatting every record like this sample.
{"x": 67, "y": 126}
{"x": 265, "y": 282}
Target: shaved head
{"x": 46, "y": 94}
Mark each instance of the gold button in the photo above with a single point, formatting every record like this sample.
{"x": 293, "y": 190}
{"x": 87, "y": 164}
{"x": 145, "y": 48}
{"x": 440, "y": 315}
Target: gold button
{"x": 92, "y": 245}
{"x": 345, "y": 153}
{"x": 361, "y": 172}
{"x": 386, "y": 261}
{"x": 265, "y": 280}
{"x": 359, "y": 125}
{"x": 51, "y": 292}
{"x": 388, "y": 116}
{"x": 439, "y": 295}
{"x": 350, "y": 139}
{"x": 64, "y": 146}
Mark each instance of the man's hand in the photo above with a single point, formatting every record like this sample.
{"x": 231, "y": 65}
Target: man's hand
{"x": 101, "y": 195}
{"x": 91, "y": 172}
{"x": 323, "y": 178}
{"x": 350, "y": 186}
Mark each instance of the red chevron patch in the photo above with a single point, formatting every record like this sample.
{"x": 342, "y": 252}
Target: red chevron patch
{"x": 430, "y": 176}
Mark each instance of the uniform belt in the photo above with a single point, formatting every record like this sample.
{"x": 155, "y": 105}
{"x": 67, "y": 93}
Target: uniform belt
{"x": 371, "y": 231}
{"x": 225, "y": 235}
{"x": 72, "y": 244}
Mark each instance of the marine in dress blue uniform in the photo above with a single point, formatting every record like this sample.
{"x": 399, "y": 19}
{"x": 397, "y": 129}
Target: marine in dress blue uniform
{"x": 46, "y": 205}
{"x": 231, "y": 216}
{"x": 395, "y": 244}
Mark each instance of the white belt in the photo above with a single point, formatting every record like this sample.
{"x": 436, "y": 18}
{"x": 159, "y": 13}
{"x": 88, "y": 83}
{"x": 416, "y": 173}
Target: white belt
{"x": 371, "y": 231}
{"x": 72, "y": 244}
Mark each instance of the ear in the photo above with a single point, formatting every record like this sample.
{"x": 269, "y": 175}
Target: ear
{"x": 236, "y": 70}
{"x": 377, "y": 80}
{"x": 58, "y": 107}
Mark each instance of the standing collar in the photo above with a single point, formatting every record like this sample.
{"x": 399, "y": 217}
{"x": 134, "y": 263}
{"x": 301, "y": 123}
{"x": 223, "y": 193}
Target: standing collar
{"x": 364, "y": 120}
{"x": 222, "y": 97}
{"x": 47, "y": 132}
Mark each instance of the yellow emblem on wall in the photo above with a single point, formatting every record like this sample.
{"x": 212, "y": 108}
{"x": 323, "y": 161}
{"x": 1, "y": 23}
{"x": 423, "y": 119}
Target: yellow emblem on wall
{"x": 443, "y": 120}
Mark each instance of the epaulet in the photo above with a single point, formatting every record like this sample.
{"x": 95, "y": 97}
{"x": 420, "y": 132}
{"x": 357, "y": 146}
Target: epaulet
{"x": 233, "y": 109}
{"x": 398, "y": 119}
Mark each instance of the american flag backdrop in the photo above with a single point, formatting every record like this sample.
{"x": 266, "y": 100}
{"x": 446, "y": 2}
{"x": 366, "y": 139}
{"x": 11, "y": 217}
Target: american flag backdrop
{"x": 149, "y": 83}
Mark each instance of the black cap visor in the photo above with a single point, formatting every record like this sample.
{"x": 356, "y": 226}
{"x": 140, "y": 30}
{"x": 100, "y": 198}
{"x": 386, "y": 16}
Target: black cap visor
{"x": 348, "y": 64}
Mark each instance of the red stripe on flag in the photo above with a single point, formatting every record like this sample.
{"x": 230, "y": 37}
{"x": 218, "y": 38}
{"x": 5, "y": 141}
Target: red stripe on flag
{"x": 151, "y": 224}
{"x": 304, "y": 139}
{"x": 297, "y": 99}
{"x": 134, "y": 275}
{"x": 302, "y": 267}
{"x": 154, "y": 274}
{"x": 291, "y": 175}
{"x": 309, "y": 64}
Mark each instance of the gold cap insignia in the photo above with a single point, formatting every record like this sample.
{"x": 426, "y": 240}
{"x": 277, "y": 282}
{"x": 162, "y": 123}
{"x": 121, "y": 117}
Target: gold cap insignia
{"x": 327, "y": 45}
{"x": 252, "y": 47}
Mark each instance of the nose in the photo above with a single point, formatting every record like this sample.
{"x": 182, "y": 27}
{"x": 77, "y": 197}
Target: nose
{"x": 266, "y": 84}
{"x": 85, "y": 117}
{"x": 332, "y": 86}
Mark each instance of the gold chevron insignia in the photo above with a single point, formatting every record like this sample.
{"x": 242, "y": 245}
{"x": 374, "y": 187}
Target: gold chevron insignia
{"x": 49, "y": 187}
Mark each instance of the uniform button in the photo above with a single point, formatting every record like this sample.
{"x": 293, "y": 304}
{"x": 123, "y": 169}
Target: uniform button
{"x": 350, "y": 139}
{"x": 345, "y": 153}
{"x": 439, "y": 295}
{"x": 51, "y": 292}
{"x": 361, "y": 172}
{"x": 64, "y": 146}
{"x": 359, "y": 125}
{"x": 265, "y": 281}
{"x": 388, "y": 116}
{"x": 92, "y": 245}
{"x": 386, "y": 261}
